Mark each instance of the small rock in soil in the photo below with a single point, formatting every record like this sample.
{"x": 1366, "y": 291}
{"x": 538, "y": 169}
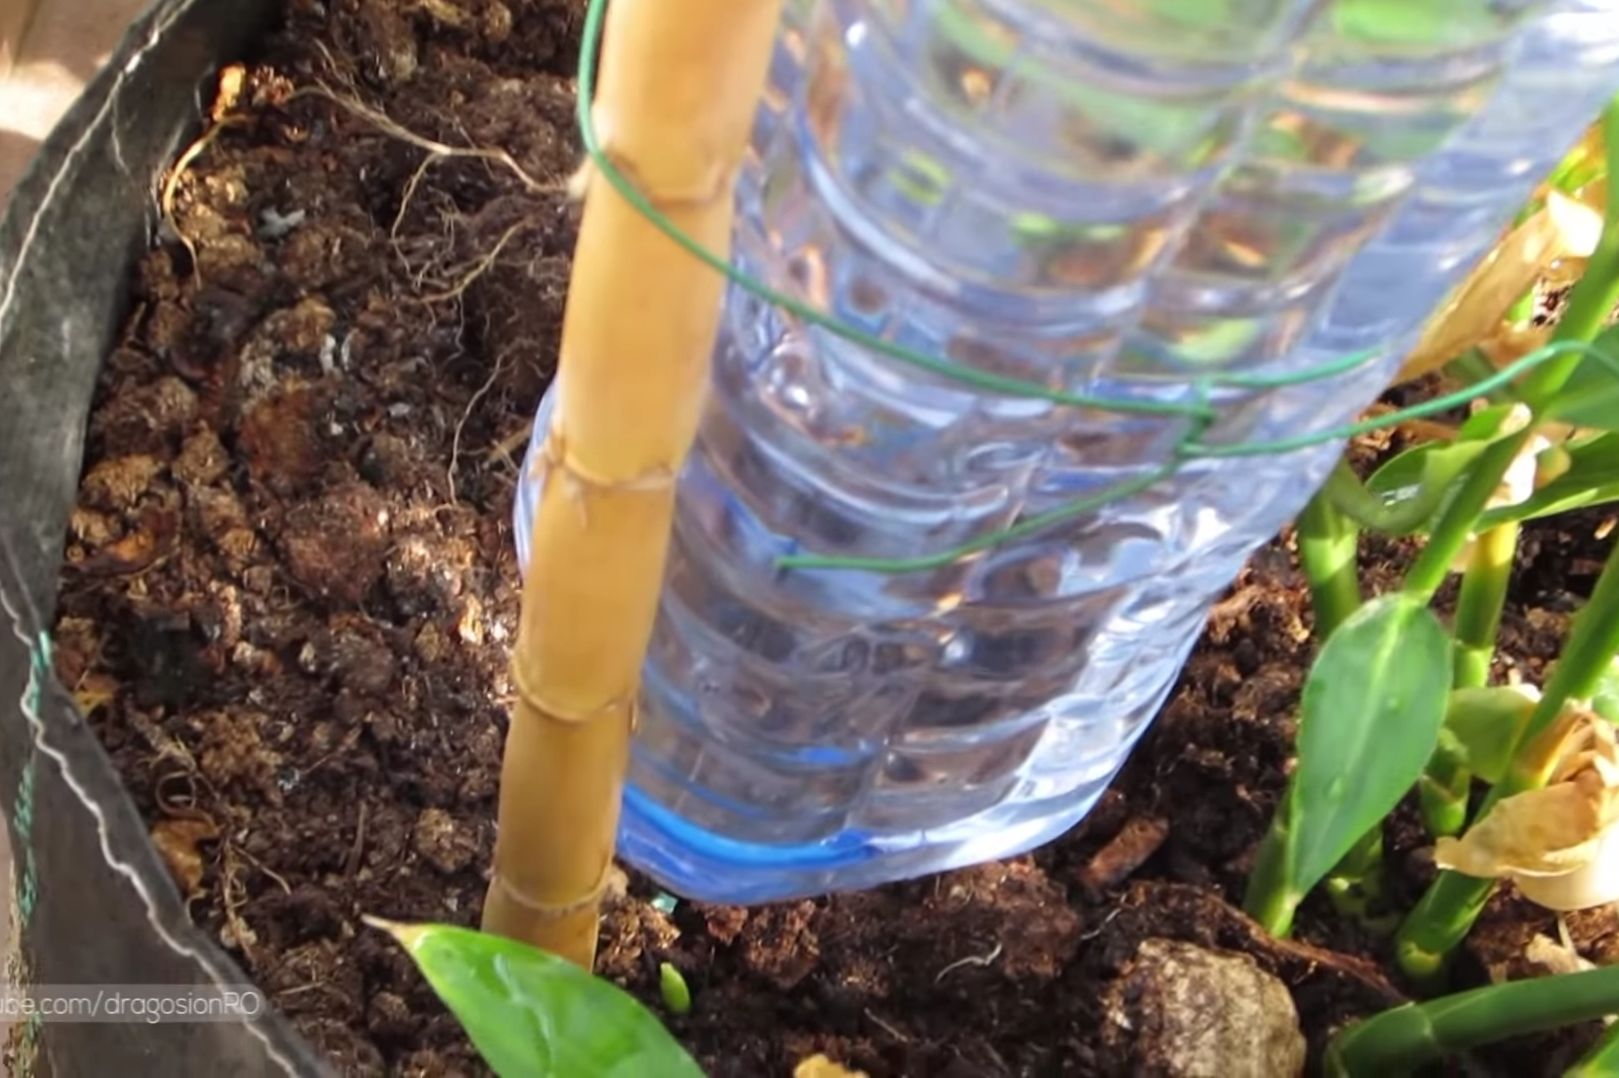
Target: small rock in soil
{"x": 1182, "y": 1011}
{"x": 119, "y": 482}
{"x": 431, "y": 644}
{"x": 357, "y": 659}
{"x": 145, "y": 419}
{"x": 632, "y": 931}
{"x": 725, "y": 923}
{"x": 334, "y": 547}
{"x": 819, "y": 1066}
{"x": 783, "y": 948}
{"x": 233, "y": 751}
{"x": 389, "y": 1016}
{"x": 202, "y": 459}
{"x": 424, "y": 573}
{"x": 280, "y": 435}
{"x": 443, "y": 842}
{"x": 1019, "y": 913}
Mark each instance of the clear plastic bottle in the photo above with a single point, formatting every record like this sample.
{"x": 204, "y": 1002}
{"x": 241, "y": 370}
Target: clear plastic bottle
{"x": 1109, "y": 198}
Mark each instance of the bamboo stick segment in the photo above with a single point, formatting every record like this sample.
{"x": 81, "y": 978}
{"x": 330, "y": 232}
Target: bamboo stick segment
{"x": 680, "y": 83}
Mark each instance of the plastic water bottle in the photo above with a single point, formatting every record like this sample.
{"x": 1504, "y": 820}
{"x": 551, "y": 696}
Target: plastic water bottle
{"x": 1112, "y": 199}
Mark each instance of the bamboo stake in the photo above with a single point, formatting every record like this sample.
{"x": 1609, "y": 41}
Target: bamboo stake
{"x": 680, "y": 82}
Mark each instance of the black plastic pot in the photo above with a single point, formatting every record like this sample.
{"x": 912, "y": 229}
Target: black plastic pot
{"x": 93, "y": 903}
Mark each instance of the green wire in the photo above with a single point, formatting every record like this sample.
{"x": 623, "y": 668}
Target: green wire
{"x": 1199, "y": 411}
{"x": 1016, "y": 387}
{"x": 993, "y": 539}
{"x": 1330, "y": 369}
{"x": 1416, "y": 411}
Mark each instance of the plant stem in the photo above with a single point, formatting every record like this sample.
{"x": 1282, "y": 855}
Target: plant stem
{"x": 1589, "y": 304}
{"x": 1455, "y": 526}
{"x": 1355, "y": 885}
{"x": 1443, "y": 793}
{"x": 1447, "y": 783}
{"x": 1478, "y": 608}
{"x": 1328, "y": 543}
{"x": 1404, "y": 1038}
{"x": 1267, "y": 898}
{"x": 1453, "y": 902}
{"x": 1451, "y": 905}
{"x": 1327, "y": 546}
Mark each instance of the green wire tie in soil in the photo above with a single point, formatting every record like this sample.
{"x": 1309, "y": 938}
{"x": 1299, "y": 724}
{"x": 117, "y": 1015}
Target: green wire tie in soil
{"x": 1198, "y": 412}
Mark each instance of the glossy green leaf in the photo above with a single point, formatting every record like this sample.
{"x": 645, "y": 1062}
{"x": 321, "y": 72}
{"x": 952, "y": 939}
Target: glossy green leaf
{"x": 1592, "y": 479}
{"x": 1370, "y": 718}
{"x": 1410, "y": 490}
{"x": 534, "y": 1015}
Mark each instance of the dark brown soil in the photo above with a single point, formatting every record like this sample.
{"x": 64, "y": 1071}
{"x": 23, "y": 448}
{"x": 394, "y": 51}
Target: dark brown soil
{"x": 290, "y": 591}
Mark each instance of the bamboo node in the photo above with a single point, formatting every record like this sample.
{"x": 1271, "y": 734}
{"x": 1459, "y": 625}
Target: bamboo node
{"x": 531, "y": 697}
{"x": 554, "y": 457}
{"x": 555, "y": 911}
{"x": 715, "y": 186}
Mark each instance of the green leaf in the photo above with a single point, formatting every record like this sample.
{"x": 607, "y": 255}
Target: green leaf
{"x": 1602, "y": 1059}
{"x": 1483, "y": 724}
{"x": 1605, "y": 700}
{"x": 534, "y": 1015}
{"x": 1406, "y": 1038}
{"x": 1412, "y": 488}
{"x": 672, "y": 986}
{"x": 1592, "y": 479}
{"x": 1369, "y": 719}
{"x": 1590, "y": 397}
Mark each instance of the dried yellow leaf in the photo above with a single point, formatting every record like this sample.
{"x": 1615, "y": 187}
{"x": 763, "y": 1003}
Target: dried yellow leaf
{"x": 1563, "y": 228}
{"x": 1557, "y": 843}
{"x": 1594, "y": 195}
{"x": 1510, "y": 343}
{"x": 1578, "y": 226}
{"x": 176, "y": 841}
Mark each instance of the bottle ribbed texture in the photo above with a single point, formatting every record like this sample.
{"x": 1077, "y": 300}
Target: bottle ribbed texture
{"x": 1112, "y": 199}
